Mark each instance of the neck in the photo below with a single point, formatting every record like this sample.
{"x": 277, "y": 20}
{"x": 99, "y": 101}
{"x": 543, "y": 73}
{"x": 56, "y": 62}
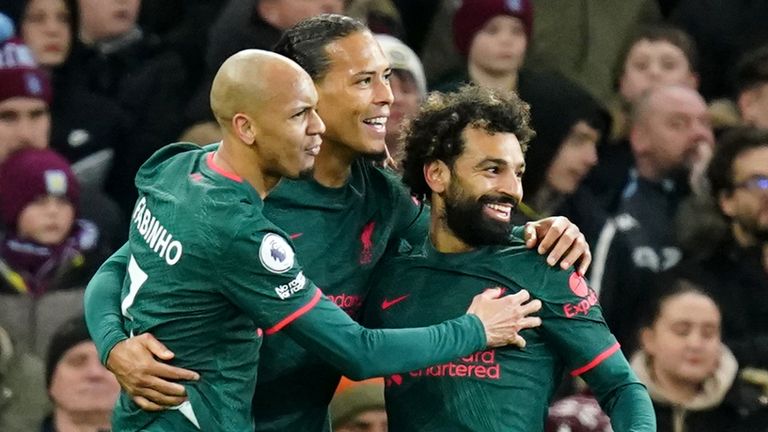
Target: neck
{"x": 677, "y": 391}
{"x": 333, "y": 164}
{"x": 65, "y": 421}
{"x": 484, "y": 78}
{"x": 244, "y": 163}
{"x": 442, "y": 237}
{"x": 647, "y": 171}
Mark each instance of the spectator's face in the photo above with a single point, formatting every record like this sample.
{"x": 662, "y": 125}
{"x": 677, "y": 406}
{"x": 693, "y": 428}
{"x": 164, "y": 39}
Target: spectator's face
{"x": 753, "y": 104}
{"x": 674, "y": 125}
{"x": 24, "y": 122}
{"x": 575, "y": 158}
{"x": 288, "y": 128}
{"x": 355, "y": 95}
{"x": 684, "y": 341}
{"x": 46, "y": 29}
{"x": 47, "y": 220}
{"x": 747, "y": 203}
{"x": 652, "y": 64}
{"x": 484, "y": 187}
{"x": 406, "y": 104}
{"x": 499, "y": 47}
{"x": 286, "y": 13}
{"x": 368, "y": 421}
{"x": 106, "y": 19}
{"x": 81, "y": 384}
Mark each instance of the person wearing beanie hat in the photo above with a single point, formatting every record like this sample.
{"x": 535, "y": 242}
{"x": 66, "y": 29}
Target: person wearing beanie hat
{"x": 25, "y": 95}
{"x": 359, "y": 408}
{"x": 44, "y": 240}
{"x": 474, "y": 15}
{"x": 408, "y": 83}
{"x": 83, "y": 391}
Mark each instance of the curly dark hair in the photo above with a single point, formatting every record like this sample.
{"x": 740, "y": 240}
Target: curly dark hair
{"x": 305, "y": 42}
{"x": 435, "y": 133}
{"x": 730, "y": 145}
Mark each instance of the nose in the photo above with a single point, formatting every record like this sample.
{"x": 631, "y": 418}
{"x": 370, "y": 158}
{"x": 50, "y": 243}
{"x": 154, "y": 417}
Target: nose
{"x": 383, "y": 92}
{"x": 590, "y": 155}
{"x": 511, "y": 185}
{"x": 316, "y": 125}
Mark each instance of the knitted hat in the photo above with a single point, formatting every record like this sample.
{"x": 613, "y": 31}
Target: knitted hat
{"x": 30, "y": 173}
{"x": 71, "y": 333}
{"x": 19, "y": 74}
{"x": 355, "y": 400}
{"x": 401, "y": 57}
{"x": 473, "y": 14}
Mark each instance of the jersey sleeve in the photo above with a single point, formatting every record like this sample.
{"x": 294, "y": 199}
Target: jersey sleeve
{"x": 102, "y": 303}
{"x": 572, "y": 320}
{"x": 263, "y": 277}
{"x": 412, "y": 215}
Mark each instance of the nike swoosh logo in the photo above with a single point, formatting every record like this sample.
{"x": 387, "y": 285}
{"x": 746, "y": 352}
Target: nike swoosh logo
{"x": 296, "y": 235}
{"x": 386, "y": 304}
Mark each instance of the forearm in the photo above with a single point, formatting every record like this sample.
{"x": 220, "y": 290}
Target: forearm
{"x": 630, "y": 409}
{"x": 361, "y": 353}
{"x": 622, "y": 396}
{"x": 102, "y": 303}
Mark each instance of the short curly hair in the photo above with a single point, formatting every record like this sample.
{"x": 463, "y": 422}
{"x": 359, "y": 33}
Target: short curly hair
{"x": 730, "y": 146}
{"x": 435, "y": 133}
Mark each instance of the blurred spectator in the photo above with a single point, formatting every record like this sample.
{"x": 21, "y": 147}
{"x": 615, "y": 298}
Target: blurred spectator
{"x": 671, "y": 138}
{"x": 732, "y": 262}
{"x": 117, "y": 60}
{"x": 359, "y": 407}
{"x": 655, "y": 56}
{"x": 85, "y": 127}
{"x": 409, "y": 87}
{"x": 247, "y": 24}
{"x": 752, "y": 87}
{"x": 569, "y": 124}
{"x": 584, "y": 39}
{"x": 381, "y": 16}
{"x": 690, "y": 374}
{"x": 83, "y": 391}
{"x": 23, "y": 402}
{"x": 46, "y": 247}
{"x": 25, "y": 93}
{"x": 723, "y": 31}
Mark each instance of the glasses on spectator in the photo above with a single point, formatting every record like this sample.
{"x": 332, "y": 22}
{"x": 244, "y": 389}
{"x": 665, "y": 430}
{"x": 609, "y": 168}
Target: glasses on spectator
{"x": 756, "y": 183}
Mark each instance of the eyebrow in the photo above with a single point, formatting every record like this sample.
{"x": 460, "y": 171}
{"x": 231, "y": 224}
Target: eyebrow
{"x": 497, "y": 161}
{"x": 369, "y": 72}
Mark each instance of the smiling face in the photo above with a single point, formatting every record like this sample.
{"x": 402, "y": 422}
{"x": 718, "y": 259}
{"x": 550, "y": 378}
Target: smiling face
{"x": 288, "y": 129}
{"x": 355, "y": 95}
{"x": 484, "y": 188}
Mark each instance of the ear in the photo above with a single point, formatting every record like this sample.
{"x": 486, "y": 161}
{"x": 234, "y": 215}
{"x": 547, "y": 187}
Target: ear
{"x": 726, "y": 202}
{"x": 243, "y": 127}
{"x": 745, "y": 101}
{"x": 647, "y": 340}
{"x": 437, "y": 175}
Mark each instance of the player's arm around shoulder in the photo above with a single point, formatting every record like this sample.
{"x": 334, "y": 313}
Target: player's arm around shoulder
{"x": 573, "y": 322}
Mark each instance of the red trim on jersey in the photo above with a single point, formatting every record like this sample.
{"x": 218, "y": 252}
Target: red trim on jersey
{"x": 296, "y": 314}
{"x": 230, "y": 175}
{"x": 596, "y": 361}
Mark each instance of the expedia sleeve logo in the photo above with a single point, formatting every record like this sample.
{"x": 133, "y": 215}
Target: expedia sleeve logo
{"x": 275, "y": 254}
{"x": 588, "y": 297}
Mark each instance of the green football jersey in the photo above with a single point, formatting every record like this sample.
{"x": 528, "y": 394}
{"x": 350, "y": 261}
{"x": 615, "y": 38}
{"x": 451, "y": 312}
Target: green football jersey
{"x": 504, "y": 389}
{"x": 207, "y": 273}
{"x": 206, "y": 270}
{"x": 340, "y": 234}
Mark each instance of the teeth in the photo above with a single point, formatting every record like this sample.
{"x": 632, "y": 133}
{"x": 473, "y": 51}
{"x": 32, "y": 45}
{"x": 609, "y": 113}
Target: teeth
{"x": 504, "y": 208}
{"x": 379, "y": 121}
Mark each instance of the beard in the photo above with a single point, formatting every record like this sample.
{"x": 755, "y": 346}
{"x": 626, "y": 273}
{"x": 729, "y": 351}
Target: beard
{"x": 466, "y": 218}
{"x": 376, "y": 157}
{"x": 753, "y": 227}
